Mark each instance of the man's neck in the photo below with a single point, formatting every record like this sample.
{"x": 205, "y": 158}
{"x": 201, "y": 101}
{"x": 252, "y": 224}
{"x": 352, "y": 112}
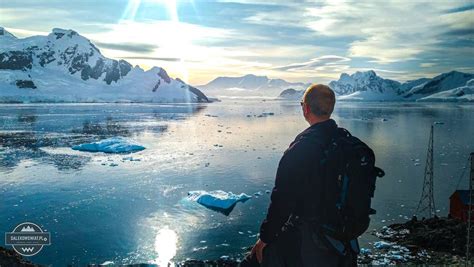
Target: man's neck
{"x": 314, "y": 120}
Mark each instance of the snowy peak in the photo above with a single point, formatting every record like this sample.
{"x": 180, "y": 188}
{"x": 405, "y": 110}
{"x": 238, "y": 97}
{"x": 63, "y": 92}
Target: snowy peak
{"x": 460, "y": 94}
{"x": 368, "y": 86}
{"x": 442, "y": 82}
{"x": 68, "y": 38}
{"x": 364, "y": 81}
{"x": 250, "y": 84}
{"x": 58, "y": 32}
{"x": 292, "y": 94}
{"x": 71, "y": 59}
{"x": 4, "y": 33}
{"x": 364, "y": 75}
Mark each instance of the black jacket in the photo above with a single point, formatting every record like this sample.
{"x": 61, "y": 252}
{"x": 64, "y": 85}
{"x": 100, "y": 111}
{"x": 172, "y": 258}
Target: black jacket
{"x": 297, "y": 170}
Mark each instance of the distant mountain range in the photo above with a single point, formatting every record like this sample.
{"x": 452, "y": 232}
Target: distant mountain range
{"x": 66, "y": 67}
{"x": 248, "y": 85}
{"x": 368, "y": 86}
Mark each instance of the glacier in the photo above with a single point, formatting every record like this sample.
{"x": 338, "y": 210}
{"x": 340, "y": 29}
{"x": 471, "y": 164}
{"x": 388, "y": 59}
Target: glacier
{"x": 461, "y": 94}
{"x": 110, "y": 145}
{"x": 67, "y": 67}
{"x": 218, "y": 200}
{"x": 453, "y": 86}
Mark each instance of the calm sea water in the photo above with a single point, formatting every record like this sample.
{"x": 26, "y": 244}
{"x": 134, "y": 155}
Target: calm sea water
{"x": 135, "y": 211}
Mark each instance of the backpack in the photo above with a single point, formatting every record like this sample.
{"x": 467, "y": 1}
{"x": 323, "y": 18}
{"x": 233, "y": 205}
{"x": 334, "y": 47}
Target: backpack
{"x": 349, "y": 175}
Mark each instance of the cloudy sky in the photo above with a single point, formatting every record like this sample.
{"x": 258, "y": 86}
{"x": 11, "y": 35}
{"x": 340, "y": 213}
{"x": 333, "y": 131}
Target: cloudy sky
{"x": 310, "y": 41}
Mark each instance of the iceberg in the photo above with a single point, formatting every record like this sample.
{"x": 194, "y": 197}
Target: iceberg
{"x": 110, "y": 145}
{"x": 220, "y": 201}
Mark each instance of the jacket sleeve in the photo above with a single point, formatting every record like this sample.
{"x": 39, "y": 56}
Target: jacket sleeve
{"x": 289, "y": 183}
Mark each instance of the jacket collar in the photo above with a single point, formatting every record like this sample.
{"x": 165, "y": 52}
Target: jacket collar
{"x": 319, "y": 131}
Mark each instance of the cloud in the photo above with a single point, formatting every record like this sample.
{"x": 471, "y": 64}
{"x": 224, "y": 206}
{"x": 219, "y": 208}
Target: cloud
{"x": 21, "y": 33}
{"x": 460, "y": 9}
{"x": 155, "y": 58}
{"x": 129, "y": 47}
{"x": 385, "y": 34}
{"x": 275, "y": 38}
{"x": 314, "y": 63}
{"x": 427, "y": 64}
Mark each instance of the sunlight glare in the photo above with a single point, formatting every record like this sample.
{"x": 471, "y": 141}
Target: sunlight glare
{"x": 166, "y": 243}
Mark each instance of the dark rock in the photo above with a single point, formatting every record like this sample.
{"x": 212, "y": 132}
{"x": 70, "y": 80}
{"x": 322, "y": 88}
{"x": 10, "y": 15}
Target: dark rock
{"x": 437, "y": 234}
{"x": 11, "y": 258}
{"x": 164, "y": 75}
{"x": 200, "y": 95}
{"x": 46, "y": 58}
{"x": 112, "y": 74}
{"x": 125, "y": 67}
{"x": 25, "y": 84}
{"x": 224, "y": 262}
{"x": 58, "y": 35}
{"x": 78, "y": 63}
{"x": 157, "y": 85}
{"x": 97, "y": 70}
{"x": 86, "y": 72}
{"x": 16, "y": 60}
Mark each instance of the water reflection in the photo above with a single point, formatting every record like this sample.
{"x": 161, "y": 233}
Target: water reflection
{"x": 27, "y": 145}
{"x": 107, "y": 128}
{"x": 166, "y": 244}
{"x": 225, "y": 150}
{"x": 28, "y": 132}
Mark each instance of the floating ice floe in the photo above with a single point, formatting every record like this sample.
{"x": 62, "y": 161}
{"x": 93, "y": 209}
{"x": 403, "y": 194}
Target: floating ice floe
{"x": 130, "y": 159}
{"x": 110, "y": 145}
{"x": 220, "y": 201}
{"x": 382, "y": 245}
{"x": 388, "y": 253}
{"x": 266, "y": 114}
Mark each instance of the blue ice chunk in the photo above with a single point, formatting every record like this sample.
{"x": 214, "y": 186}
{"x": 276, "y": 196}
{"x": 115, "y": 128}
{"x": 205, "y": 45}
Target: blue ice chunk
{"x": 382, "y": 245}
{"x": 221, "y": 201}
{"x": 110, "y": 145}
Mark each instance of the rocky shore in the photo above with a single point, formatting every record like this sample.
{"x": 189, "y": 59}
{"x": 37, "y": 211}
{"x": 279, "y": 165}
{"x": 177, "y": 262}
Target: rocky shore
{"x": 10, "y": 258}
{"x": 434, "y": 241}
{"x": 439, "y": 241}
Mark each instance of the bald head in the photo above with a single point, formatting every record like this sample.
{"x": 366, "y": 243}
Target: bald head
{"x": 320, "y": 99}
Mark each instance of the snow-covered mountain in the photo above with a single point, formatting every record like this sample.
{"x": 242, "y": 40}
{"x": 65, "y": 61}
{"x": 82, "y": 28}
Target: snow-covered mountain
{"x": 365, "y": 86}
{"x": 440, "y": 83}
{"x": 249, "y": 85}
{"x": 368, "y": 86}
{"x": 66, "y": 67}
{"x": 292, "y": 94}
{"x": 461, "y": 94}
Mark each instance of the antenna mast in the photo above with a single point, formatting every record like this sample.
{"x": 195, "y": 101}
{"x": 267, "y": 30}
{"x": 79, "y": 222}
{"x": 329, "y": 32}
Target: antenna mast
{"x": 469, "y": 212}
{"x": 426, "y": 203}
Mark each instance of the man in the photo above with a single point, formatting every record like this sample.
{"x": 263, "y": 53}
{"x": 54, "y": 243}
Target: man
{"x": 296, "y": 195}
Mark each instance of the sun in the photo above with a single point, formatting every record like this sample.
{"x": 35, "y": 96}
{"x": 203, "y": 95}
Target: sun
{"x": 171, "y": 7}
{"x": 179, "y": 35}
{"x": 130, "y": 11}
